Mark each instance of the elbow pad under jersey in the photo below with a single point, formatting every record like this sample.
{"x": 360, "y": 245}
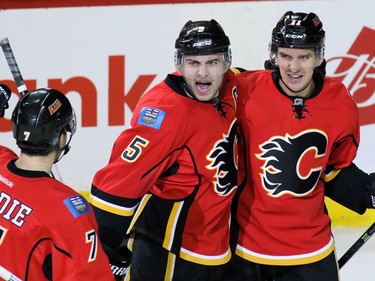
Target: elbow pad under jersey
{"x": 349, "y": 188}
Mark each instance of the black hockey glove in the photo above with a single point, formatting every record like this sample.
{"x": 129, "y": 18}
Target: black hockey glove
{"x": 119, "y": 261}
{"x": 4, "y": 97}
{"x": 370, "y": 185}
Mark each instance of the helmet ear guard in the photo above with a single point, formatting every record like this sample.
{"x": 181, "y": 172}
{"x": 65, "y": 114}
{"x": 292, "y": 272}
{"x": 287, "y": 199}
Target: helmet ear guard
{"x": 300, "y": 31}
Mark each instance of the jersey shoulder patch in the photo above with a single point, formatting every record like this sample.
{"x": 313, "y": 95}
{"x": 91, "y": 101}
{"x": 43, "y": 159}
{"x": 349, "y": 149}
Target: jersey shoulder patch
{"x": 151, "y": 117}
{"x": 77, "y": 205}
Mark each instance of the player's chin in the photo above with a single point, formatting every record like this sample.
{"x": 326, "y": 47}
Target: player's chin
{"x": 296, "y": 84}
{"x": 203, "y": 97}
{"x": 295, "y": 88}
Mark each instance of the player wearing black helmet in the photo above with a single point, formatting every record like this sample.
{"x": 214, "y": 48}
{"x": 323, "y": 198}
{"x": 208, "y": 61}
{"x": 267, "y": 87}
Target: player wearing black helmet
{"x": 202, "y": 57}
{"x": 294, "y": 142}
{"x": 47, "y": 230}
{"x": 171, "y": 177}
{"x": 39, "y": 121}
{"x": 300, "y": 36}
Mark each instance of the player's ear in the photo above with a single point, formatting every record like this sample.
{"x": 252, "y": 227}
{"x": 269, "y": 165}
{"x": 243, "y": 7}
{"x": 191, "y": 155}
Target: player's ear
{"x": 63, "y": 139}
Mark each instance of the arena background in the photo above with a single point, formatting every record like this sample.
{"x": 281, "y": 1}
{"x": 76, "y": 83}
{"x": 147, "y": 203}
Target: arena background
{"x": 106, "y": 54}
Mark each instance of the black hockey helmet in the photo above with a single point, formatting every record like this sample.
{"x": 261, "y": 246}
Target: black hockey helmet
{"x": 298, "y": 30}
{"x": 202, "y": 38}
{"x": 39, "y": 118}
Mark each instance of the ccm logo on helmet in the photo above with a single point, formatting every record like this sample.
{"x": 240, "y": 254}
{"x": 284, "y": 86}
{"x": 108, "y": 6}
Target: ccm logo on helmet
{"x": 203, "y": 43}
{"x": 296, "y": 36}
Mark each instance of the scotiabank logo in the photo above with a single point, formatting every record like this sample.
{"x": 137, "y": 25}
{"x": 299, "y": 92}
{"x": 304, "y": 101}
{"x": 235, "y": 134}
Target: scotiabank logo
{"x": 357, "y": 71}
{"x": 117, "y": 98}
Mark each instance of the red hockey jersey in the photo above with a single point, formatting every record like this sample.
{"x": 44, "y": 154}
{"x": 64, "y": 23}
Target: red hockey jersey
{"x": 179, "y": 158}
{"x": 289, "y": 142}
{"x": 47, "y": 230}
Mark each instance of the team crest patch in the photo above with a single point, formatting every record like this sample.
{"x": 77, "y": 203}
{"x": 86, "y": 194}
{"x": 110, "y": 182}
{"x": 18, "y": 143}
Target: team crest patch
{"x": 77, "y": 205}
{"x": 151, "y": 117}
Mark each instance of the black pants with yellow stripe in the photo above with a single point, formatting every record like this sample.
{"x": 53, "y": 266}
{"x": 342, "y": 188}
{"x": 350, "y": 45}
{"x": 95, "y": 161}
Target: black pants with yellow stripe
{"x": 150, "y": 262}
{"x": 243, "y": 270}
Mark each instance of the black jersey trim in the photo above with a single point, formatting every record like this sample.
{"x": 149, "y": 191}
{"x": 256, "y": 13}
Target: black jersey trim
{"x": 35, "y": 247}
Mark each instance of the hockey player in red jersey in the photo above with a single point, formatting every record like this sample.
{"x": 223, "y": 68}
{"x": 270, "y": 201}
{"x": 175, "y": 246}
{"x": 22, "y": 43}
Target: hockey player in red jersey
{"x": 171, "y": 176}
{"x": 301, "y": 134}
{"x": 47, "y": 230}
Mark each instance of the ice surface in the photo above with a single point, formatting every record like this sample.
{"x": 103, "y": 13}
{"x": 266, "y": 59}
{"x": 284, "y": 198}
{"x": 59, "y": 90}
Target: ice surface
{"x": 361, "y": 266}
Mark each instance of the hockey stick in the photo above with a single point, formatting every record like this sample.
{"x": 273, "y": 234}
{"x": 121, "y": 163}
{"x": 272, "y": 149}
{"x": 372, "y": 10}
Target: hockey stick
{"x": 7, "y": 275}
{"x": 13, "y": 66}
{"x": 357, "y": 245}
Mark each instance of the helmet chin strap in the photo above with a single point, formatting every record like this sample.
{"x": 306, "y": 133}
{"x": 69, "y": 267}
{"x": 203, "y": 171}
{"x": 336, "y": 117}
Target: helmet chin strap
{"x": 63, "y": 150}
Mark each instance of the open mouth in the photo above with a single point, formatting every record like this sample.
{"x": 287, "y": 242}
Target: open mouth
{"x": 203, "y": 87}
{"x": 295, "y": 78}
